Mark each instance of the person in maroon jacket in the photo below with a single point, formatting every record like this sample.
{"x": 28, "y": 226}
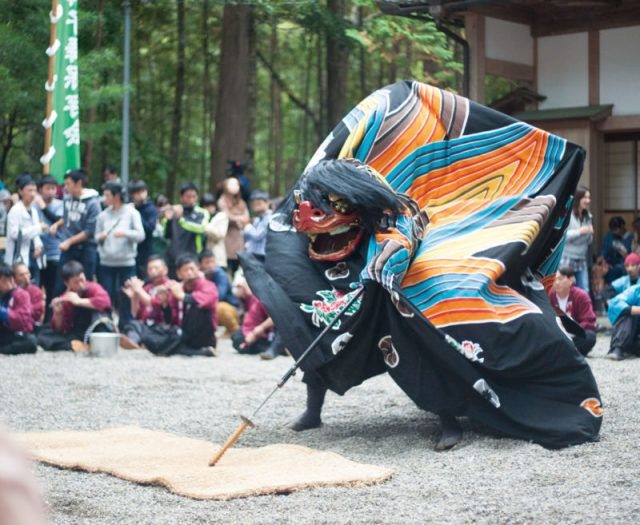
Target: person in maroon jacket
{"x": 152, "y": 303}
{"x": 22, "y": 278}
{"x": 75, "y": 310}
{"x": 257, "y": 335}
{"x": 567, "y": 299}
{"x": 197, "y": 316}
{"x": 16, "y": 323}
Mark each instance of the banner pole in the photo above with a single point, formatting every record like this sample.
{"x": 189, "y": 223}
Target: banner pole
{"x": 50, "y": 83}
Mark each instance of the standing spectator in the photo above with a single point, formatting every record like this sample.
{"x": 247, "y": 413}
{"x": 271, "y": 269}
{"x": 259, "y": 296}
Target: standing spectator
{"x": 110, "y": 174}
{"x": 16, "y": 323}
{"x": 255, "y": 234}
{"x": 579, "y": 236}
{"x": 236, "y": 169}
{"x": 154, "y": 307}
{"x": 575, "y": 303}
{"x": 616, "y": 245}
{"x": 216, "y": 230}
{"x": 160, "y": 243}
{"x": 235, "y": 207}
{"x": 185, "y": 225}
{"x": 77, "y": 227}
{"x": 5, "y": 206}
{"x": 75, "y": 310}
{"x": 23, "y": 224}
{"x": 22, "y": 278}
{"x": 118, "y": 232}
{"x": 51, "y": 211}
{"x": 149, "y": 214}
{"x": 228, "y": 315}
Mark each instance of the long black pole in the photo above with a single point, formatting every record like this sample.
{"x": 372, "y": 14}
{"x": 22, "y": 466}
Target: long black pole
{"x": 309, "y": 349}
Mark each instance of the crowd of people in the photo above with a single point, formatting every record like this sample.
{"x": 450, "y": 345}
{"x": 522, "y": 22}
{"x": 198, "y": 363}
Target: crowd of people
{"x": 75, "y": 260}
{"x": 165, "y": 276}
{"x": 605, "y": 282}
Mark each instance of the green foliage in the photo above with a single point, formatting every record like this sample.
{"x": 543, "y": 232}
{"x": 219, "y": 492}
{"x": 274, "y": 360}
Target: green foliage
{"x": 381, "y": 49}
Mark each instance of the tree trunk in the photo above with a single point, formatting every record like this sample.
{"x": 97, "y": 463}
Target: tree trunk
{"x": 337, "y": 56}
{"x": 8, "y": 134}
{"x": 174, "y": 146}
{"x": 206, "y": 95}
{"x": 232, "y": 112}
{"x": 91, "y": 117}
{"x": 276, "y": 186}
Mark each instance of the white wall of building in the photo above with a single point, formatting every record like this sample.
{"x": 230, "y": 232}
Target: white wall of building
{"x": 620, "y": 69}
{"x": 563, "y": 70}
{"x": 508, "y": 41}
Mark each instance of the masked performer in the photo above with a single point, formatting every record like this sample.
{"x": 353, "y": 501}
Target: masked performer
{"x": 454, "y": 310}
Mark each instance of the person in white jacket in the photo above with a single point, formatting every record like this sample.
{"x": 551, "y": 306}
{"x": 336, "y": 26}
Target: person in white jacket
{"x": 118, "y": 232}
{"x": 23, "y": 225}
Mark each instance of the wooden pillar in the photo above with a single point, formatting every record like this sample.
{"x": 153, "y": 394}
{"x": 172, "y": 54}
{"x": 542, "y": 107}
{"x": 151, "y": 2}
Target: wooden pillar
{"x": 475, "y": 32}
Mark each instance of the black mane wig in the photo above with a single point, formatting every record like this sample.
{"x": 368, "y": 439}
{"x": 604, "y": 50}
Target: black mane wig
{"x": 367, "y": 193}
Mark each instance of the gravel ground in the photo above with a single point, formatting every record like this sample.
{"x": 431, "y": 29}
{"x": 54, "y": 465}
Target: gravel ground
{"x": 483, "y": 480}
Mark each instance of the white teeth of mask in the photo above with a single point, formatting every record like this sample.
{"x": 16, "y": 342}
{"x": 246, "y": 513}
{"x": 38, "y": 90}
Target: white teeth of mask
{"x": 341, "y": 229}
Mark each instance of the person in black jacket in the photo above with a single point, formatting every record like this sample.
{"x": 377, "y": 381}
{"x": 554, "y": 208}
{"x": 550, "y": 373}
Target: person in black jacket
{"x": 184, "y": 226}
{"x": 139, "y": 195}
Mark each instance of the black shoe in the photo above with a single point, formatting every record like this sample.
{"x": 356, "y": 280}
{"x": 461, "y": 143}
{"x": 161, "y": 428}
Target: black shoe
{"x": 451, "y": 433}
{"x": 270, "y": 353}
{"x": 305, "y": 421}
{"x": 616, "y": 354}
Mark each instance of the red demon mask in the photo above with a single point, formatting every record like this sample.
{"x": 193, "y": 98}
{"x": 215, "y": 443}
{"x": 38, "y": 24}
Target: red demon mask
{"x": 332, "y": 236}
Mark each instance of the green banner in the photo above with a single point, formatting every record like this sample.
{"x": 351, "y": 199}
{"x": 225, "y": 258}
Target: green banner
{"x": 65, "y": 137}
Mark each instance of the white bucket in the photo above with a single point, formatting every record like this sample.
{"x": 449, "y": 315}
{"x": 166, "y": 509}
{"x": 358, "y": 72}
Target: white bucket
{"x": 103, "y": 344}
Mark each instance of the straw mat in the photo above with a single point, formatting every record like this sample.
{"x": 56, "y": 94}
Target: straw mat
{"x": 181, "y": 464}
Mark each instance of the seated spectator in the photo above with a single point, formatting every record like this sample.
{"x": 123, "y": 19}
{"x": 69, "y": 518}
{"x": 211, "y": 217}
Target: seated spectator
{"x": 22, "y": 278}
{"x": 197, "y": 304}
{"x": 152, "y": 304}
{"x": 616, "y": 245}
{"x": 255, "y": 233}
{"x": 118, "y": 233}
{"x": 257, "y": 335}
{"x": 570, "y": 300}
{"x": 228, "y": 315}
{"x": 16, "y": 323}
{"x": 624, "y": 314}
{"x": 74, "y": 311}
{"x": 632, "y": 267}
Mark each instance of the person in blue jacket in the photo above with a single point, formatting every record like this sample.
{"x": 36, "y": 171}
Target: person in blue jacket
{"x": 624, "y": 314}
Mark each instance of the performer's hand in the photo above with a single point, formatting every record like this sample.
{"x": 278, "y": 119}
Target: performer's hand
{"x": 388, "y": 264}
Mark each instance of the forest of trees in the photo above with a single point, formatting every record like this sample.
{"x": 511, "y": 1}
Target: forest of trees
{"x": 261, "y": 82}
